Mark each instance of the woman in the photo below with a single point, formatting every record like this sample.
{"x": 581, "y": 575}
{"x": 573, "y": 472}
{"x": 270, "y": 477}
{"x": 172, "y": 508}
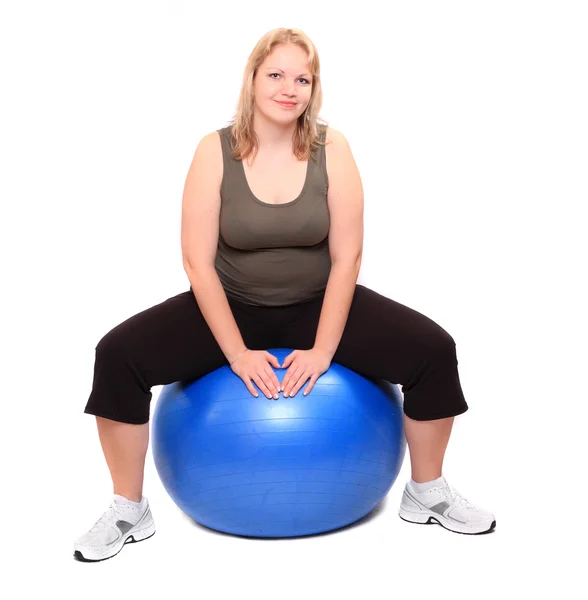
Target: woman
{"x": 272, "y": 232}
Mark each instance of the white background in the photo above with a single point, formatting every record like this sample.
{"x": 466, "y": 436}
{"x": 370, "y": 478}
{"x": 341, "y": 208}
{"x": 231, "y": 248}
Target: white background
{"x": 469, "y": 125}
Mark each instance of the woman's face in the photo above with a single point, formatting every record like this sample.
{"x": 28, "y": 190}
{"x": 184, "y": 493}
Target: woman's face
{"x": 284, "y": 76}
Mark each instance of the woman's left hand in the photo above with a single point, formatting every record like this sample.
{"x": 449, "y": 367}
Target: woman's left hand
{"x": 302, "y": 365}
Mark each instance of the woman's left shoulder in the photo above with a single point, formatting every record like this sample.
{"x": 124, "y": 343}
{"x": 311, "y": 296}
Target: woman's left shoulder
{"x": 334, "y": 137}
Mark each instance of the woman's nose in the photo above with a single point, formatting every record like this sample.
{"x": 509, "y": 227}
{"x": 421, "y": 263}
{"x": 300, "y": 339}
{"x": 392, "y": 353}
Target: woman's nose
{"x": 289, "y": 88}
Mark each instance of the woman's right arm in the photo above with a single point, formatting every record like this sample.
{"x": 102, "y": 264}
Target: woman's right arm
{"x": 200, "y": 229}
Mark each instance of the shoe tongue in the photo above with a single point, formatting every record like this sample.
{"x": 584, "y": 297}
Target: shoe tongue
{"x": 439, "y": 482}
{"x": 122, "y": 501}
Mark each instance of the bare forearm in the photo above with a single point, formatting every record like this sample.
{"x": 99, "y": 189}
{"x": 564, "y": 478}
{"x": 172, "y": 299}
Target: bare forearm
{"x": 336, "y": 304}
{"x": 213, "y": 303}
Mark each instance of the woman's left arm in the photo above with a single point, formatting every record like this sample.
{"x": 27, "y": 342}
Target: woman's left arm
{"x": 345, "y": 200}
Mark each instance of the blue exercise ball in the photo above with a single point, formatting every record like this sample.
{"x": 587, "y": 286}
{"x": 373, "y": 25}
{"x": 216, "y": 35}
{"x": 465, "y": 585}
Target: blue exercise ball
{"x": 278, "y": 468}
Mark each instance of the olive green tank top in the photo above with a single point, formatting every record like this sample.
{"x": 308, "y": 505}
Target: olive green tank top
{"x": 273, "y": 254}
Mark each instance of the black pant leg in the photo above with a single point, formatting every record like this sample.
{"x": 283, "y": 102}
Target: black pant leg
{"x": 384, "y": 339}
{"x": 168, "y": 342}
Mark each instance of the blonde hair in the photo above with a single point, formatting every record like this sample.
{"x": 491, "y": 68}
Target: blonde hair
{"x": 306, "y": 138}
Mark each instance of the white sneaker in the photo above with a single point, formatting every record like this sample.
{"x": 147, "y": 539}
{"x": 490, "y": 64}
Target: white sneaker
{"x": 121, "y": 524}
{"x": 445, "y": 506}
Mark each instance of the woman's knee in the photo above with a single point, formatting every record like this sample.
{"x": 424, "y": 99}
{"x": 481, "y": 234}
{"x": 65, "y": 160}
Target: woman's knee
{"x": 113, "y": 346}
{"x": 121, "y": 390}
{"x": 439, "y": 342}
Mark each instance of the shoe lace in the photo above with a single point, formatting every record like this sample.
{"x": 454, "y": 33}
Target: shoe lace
{"x": 105, "y": 520}
{"x": 455, "y": 497}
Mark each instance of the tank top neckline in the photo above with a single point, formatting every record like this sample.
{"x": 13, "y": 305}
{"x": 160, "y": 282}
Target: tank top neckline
{"x": 281, "y": 204}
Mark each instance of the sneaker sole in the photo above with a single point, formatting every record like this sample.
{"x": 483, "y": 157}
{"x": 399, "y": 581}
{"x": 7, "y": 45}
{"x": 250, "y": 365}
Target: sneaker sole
{"x": 428, "y": 518}
{"x": 131, "y": 537}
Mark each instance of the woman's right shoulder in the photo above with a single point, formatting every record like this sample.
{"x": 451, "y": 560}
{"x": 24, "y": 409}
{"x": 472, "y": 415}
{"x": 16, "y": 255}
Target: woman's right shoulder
{"x": 210, "y": 149}
{"x": 213, "y": 144}
{"x": 212, "y": 139}
{"x": 215, "y": 136}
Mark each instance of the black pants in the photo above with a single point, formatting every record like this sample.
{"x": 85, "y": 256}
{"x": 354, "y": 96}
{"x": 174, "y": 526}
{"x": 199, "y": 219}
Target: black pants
{"x": 171, "y": 341}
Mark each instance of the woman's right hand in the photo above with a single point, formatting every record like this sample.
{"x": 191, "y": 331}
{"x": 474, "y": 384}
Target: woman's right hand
{"x": 257, "y": 365}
